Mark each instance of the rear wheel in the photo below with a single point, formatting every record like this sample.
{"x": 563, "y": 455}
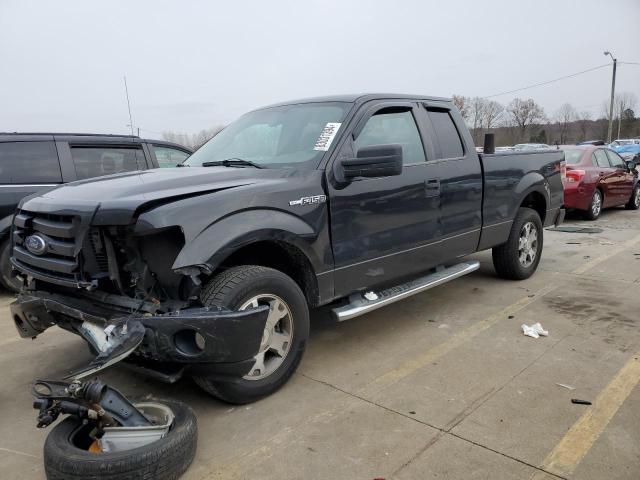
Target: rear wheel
{"x": 518, "y": 257}
{"x": 634, "y": 201}
{"x": 595, "y": 207}
{"x": 10, "y": 283}
{"x": 284, "y": 338}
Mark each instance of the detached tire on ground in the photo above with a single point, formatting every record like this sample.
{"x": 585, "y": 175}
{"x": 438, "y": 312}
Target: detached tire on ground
{"x": 285, "y": 336}
{"x": 66, "y": 456}
{"x": 518, "y": 257}
{"x": 6, "y": 280}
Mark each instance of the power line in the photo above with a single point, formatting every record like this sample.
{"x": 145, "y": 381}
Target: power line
{"x": 629, "y": 63}
{"x": 549, "y": 81}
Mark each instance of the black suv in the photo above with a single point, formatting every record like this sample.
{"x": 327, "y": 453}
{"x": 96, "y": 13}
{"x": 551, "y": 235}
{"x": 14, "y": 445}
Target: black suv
{"x": 31, "y": 162}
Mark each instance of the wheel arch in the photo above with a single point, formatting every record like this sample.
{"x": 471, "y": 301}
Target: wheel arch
{"x": 269, "y": 238}
{"x": 279, "y": 255}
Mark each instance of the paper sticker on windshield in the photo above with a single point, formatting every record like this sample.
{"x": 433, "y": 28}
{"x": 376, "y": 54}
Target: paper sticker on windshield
{"x": 326, "y": 136}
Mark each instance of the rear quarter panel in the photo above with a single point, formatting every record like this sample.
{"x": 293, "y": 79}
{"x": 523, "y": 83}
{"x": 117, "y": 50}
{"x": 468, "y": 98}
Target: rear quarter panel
{"x": 508, "y": 179}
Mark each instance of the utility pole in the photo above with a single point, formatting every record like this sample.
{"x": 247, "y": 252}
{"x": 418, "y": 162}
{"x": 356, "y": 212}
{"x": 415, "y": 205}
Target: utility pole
{"x": 613, "y": 92}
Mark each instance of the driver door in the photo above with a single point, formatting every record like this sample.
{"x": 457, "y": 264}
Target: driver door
{"x": 384, "y": 228}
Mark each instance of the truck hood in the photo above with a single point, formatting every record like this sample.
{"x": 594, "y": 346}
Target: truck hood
{"x": 123, "y": 194}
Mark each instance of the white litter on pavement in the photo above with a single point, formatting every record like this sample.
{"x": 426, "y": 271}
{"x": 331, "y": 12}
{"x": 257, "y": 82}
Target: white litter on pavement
{"x": 534, "y": 330}
{"x": 564, "y": 385}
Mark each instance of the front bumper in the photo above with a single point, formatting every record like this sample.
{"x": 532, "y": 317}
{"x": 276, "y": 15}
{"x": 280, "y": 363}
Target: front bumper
{"x": 210, "y": 340}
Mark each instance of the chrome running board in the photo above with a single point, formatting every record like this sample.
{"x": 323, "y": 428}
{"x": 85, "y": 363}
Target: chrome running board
{"x": 361, "y": 303}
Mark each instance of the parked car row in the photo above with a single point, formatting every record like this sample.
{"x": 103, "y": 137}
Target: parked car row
{"x": 33, "y": 162}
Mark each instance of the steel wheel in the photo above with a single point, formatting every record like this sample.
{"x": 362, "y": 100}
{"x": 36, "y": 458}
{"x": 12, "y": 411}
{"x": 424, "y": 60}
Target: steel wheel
{"x": 276, "y": 338}
{"x": 596, "y": 204}
{"x": 528, "y": 244}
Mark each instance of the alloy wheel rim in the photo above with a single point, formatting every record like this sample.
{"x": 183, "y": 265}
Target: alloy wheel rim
{"x": 528, "y": 244}
{"x": 276, "y": 338}
{"x": 597, "y": 204}
{"x": 636, "y": 200}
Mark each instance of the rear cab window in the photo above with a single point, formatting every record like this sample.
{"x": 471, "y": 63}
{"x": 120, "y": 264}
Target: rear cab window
{"x": 29, "y": 163}
{"x": 95, "y": 161}
{"x": 446, "y": 132}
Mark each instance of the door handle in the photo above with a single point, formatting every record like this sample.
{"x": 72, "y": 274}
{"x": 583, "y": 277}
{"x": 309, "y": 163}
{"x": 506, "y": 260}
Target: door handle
{"x": 432, "y": 188}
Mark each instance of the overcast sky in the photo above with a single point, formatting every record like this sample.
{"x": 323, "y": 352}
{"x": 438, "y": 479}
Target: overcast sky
{"x": 195, "y": 64}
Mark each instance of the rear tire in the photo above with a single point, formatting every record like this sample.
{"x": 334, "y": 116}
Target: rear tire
{"x": 164, "y": 459}
{"x": 519, "y": 256}
{"x": 244, "y": 287}
{"x": 10, "y": 283}
{"x": 595, "y": 206}
{"x": 634, "y": 201}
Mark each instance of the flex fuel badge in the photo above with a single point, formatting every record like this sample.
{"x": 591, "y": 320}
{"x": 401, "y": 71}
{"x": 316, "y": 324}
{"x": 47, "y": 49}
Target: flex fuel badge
{"x": 326, "y": 136}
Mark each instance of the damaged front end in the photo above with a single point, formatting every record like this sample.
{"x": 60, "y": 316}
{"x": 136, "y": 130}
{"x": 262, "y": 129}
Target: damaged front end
{"x": 116, "y": 288}
{"x": 215, "y": 341}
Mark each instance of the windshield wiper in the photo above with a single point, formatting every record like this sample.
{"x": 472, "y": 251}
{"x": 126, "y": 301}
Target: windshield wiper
{"x": 232, "y": 162}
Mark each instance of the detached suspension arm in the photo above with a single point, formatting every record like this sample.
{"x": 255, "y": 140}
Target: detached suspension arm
{"x": 93, "y": 400}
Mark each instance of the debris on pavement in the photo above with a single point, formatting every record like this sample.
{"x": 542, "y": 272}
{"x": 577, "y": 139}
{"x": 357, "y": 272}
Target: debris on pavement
{"x": 564, "y": 385}
{"x": 576, "y": 229}
{"x": 534, "y": 331}
{"x": 580, "y": 402}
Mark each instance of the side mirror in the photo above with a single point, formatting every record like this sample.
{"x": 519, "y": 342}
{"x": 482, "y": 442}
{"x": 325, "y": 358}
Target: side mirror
{"x": 631, "y": 165}
{"x": 374, "y": 161}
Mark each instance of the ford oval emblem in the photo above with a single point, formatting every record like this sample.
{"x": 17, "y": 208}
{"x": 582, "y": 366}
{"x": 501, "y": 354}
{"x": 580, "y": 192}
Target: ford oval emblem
{"x": 36, "y": 244}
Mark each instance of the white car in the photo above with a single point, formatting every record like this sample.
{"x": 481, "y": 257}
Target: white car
{"x": 531, "y": 146}
{"x": 620, "y": 142}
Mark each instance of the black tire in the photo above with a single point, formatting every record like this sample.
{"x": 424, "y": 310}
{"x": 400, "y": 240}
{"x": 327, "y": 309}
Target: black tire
{"x": 10, "y": 283}
{"x": 164, "y": 459}
{"x": 231, "y": 289}
{"x": 506, "y": 257}
{"x": 634, "y": 200}
{"x": 593, "y": 212}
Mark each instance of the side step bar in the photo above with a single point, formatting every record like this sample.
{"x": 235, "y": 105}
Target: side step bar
{"x": 361, "y": 303}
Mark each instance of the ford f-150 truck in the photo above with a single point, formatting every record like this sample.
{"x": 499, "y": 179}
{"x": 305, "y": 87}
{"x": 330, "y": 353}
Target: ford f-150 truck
{"x": 349, "y": 201}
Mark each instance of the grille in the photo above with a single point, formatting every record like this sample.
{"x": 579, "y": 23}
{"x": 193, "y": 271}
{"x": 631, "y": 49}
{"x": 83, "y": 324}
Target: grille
{"x": 98, "y": 250}
{"x": 58, "y": 259}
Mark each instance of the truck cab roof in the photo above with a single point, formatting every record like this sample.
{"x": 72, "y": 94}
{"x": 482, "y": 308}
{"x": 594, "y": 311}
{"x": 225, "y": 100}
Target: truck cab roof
{"x": 360, "y": 98}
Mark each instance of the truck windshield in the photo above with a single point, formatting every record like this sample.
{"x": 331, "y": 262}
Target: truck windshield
{"x": 278, "y": 137}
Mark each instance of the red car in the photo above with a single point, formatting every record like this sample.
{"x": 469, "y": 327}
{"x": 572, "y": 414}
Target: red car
{"x": 598, "y": 178}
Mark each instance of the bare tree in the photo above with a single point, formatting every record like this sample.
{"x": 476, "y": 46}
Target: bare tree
{"x": 524, "y": 113}
{"x": 477, "y": 106}
{"x": 583, "y": 119}
{"x": 624, "y": 101}
{"x": 493, "y": 112}
{"x": 192, "y": 140}
{"x": 564, "y": 117}
{"x": 462, "y": 103}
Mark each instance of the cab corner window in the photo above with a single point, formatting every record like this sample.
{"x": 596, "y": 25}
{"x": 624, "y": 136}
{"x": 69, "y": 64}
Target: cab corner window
{"x": 97, "y": 161}
{"x": 169, "y": 157}
{"x": 29, "y": 162}
{"x": 447, "y": 134}
{"x": 393, "y": 127}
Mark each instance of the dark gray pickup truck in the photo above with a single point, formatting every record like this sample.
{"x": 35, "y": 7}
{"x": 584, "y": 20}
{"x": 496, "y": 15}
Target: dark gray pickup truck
{"x": 354, "y": 201}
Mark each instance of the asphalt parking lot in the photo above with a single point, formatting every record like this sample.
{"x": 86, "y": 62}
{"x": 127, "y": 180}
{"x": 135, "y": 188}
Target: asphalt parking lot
{"x": 442, "y": 385}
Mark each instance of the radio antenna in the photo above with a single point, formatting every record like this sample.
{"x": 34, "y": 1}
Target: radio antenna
{"x": 126, "y": 91}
